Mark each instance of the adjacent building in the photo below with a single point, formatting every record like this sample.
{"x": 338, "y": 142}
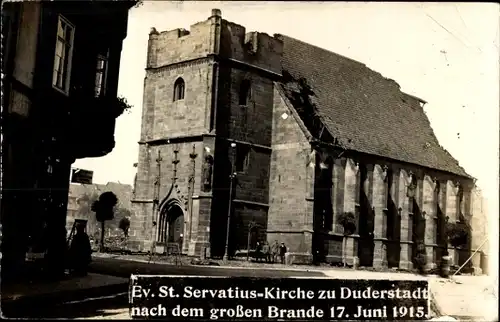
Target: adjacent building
{"x": 81, "y": 197}
{"x": 60, "y": 75}
{"x": 245, "y": 130}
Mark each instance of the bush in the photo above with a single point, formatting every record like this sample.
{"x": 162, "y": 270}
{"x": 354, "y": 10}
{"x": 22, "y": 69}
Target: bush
{"x": 420, "y": 260}
{"x": 124, "y": 225}
{"x": 348, "y": 222}
{"x": 116, "y": 244}
{"x": 457, "y": 234}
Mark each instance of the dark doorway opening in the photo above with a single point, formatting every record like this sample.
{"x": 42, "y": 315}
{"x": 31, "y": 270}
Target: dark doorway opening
{"x": 171, "y": 225}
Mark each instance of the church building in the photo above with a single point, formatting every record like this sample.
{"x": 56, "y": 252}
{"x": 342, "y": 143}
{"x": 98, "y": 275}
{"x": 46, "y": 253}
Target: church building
{"x": 248, "y": 137}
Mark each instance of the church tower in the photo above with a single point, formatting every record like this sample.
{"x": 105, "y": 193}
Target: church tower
{"x": 205, "y": 146}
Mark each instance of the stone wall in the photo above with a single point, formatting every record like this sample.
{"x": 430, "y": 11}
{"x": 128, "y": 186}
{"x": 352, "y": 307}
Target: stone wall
{"x": 172, "y": 177}
{"x": 213, "y": 58}
{"x": 401, "y": 216}
{"x": 291, "y": 181}
{"x": 183, "y": 117}
{"x": 246, "y": 124}
{"x": 255, "y": 48}
{"x": 179, "y": 45}
{"x": 275, "y": 165}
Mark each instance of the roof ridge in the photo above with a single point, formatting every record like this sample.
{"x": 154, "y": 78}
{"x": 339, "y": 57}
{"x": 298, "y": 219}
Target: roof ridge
{"x": 323, "y": 49}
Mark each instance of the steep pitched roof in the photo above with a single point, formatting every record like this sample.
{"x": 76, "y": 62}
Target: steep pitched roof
{"x": 360, "y": 108}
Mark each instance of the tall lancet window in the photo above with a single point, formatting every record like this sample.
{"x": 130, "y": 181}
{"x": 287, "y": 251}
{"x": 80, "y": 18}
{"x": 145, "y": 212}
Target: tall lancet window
{"x": 360, "y": 180}
{"x": 411, "y": 193}
{"x": 179, "y": 88}
{"x": 437, "y": 217}
{"x": 388, "y": 187}
{"x": 460, "y": 204}
{"x": 391, "y": 215}
{"x": 324, "y": 191}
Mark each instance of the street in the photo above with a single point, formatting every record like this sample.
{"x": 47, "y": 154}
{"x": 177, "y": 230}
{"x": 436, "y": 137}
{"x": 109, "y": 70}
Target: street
{"x": 124, "y": 268}
{"x": 116, "y": 299}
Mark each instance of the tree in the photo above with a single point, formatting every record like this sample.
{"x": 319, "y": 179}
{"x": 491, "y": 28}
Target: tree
{"x": 124, "y": 225}
{"x": 104, "y": 210}
{"x": 348, "y": 222}
{"x": 457, "y": 233}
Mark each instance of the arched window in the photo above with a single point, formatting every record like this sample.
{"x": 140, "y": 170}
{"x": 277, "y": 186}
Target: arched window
{"x": 179, "y": 88}
{"x": 244, "y": 92}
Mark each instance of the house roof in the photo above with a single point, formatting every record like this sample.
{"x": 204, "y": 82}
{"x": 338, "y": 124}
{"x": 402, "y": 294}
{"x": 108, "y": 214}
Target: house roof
{"x": 361, "y": 109}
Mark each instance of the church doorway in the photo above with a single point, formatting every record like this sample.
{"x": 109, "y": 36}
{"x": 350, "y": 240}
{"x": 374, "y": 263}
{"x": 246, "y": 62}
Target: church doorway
{"x": 171, "y": 225}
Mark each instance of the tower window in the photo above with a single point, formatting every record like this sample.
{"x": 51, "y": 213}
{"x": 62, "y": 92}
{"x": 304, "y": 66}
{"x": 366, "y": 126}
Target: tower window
{"x": 179, "y": 88}
{"x": 244, "y": 92}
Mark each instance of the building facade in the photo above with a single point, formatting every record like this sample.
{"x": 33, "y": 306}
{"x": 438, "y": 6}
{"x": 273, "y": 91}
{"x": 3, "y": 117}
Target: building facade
{"x": 81, "y": 197}
{"x": 245, "y": 130}
{"x": 60, "y": 65}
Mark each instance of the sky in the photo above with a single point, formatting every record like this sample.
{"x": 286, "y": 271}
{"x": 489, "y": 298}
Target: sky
{"x": 445, "y": 53}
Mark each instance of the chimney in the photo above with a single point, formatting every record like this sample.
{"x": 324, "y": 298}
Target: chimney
{"x": 216, "y": 13}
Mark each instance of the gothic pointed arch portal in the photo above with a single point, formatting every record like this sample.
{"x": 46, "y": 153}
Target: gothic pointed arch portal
{"x": 171, "y": 223}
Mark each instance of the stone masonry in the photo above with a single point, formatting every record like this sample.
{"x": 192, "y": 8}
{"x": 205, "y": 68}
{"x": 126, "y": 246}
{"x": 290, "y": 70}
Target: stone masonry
{"x": 213, "y": 59}
{"x": 242, "y": 122}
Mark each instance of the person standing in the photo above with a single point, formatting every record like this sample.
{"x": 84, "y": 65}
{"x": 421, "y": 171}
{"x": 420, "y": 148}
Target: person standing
{"x": 266, "y": 251}
{"x": 258, "y": 252}
{"x": 80, "y": 251}
{"x": 274, "y": 251}
{"x": 282, "y": 253}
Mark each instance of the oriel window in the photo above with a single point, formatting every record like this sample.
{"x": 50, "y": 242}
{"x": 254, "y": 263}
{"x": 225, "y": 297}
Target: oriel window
{"x": 63, "y": 55}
